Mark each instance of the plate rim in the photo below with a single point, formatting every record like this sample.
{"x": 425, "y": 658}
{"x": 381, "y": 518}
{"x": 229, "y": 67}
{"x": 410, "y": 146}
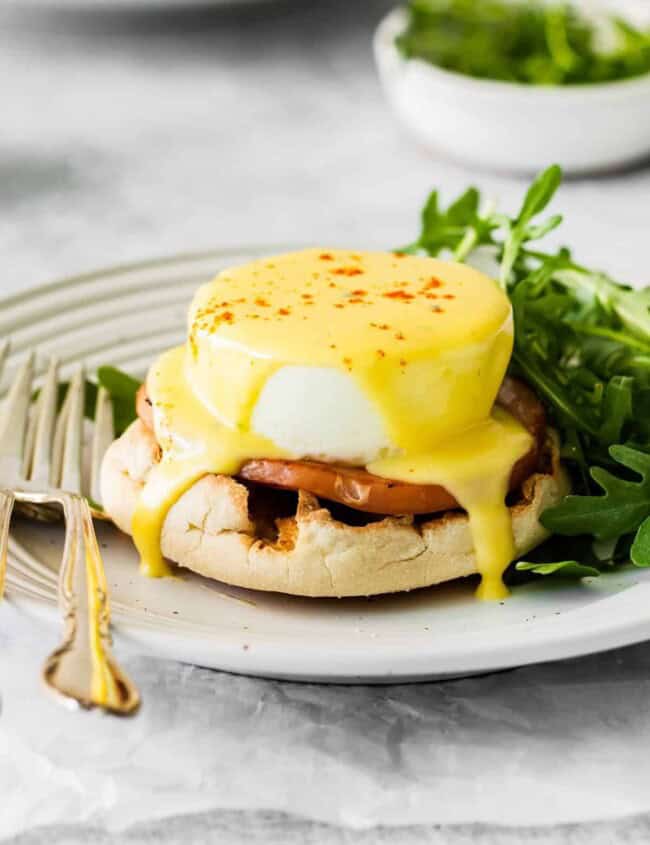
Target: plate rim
{"x": 106, "y": 271}
{"x": 250, "y": 654}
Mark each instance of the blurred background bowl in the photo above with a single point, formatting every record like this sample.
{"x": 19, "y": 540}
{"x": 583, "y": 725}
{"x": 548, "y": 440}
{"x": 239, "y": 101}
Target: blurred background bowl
{"x": 512, "y": 126}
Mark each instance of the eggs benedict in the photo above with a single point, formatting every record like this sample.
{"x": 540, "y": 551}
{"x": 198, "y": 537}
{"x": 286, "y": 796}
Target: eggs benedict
{"x": 337, "y": 423}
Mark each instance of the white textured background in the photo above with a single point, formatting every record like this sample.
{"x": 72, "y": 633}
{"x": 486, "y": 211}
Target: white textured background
{"x": 130, "y": 135}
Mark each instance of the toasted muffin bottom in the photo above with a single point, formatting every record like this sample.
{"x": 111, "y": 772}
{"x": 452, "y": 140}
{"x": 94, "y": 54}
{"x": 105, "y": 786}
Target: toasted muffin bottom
{"x": 218, "y": 529}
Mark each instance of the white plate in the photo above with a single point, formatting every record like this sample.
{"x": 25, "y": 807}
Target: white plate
{"x": 125, "y": 316}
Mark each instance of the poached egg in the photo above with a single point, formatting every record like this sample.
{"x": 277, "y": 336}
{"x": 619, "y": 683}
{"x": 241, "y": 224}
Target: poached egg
{"x": 377, "y": 360}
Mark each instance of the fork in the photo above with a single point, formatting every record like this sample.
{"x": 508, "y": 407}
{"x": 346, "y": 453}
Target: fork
{"x": 40, "y": 464}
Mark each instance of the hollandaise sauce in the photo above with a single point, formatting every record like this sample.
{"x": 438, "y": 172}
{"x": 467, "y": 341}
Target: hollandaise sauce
{"x": 426, "y": 342}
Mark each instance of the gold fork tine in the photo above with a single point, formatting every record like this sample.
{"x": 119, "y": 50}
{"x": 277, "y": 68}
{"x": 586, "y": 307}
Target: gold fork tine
{"x": 5, "y": 346}
{"x": 14, "y": 420}
{"x": 41, "y": 461}
{"x": 103, "y": 436}
{"x": 59, "y": 438}
{"x": 7, "y": 500}
{"x": 28, "y": 443}
{"x": 12, "y": 429}
{"x": 70, "y": 479}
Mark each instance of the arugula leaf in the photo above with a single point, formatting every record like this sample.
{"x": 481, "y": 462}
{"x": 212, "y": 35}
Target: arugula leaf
{"x": 539, "y": 194}
{"x": 624, "y": 505}
{"x": 617, "y": 408}
{"x": 563, "y": 569}
{"x": 444, "y": 230}
{"x": 630, "y": 306}
{"x": 537, "y": 198}
{"x": 640, "y": 551}
{"x": 122, "y": 389}
{"x": 119, "y": 384}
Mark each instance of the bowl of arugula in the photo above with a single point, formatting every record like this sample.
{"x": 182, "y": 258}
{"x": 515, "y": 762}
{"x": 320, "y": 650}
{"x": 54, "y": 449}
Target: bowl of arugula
{"x": 511, "y": 85}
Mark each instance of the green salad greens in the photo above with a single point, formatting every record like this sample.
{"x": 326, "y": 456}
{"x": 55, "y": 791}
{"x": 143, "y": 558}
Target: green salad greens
{"x": 527, "y": 42}
{"x": 582, "y": 342}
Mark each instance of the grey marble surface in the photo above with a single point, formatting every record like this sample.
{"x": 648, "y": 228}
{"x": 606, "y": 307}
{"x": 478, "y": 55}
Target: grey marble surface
{"x": 137, "y": 134}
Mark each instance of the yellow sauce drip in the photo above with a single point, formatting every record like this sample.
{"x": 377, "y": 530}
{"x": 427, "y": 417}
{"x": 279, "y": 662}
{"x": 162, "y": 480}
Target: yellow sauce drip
{"x": 427, "y": 341}
{"x": 193, "y": 444}
{"x": 474, "y": 466}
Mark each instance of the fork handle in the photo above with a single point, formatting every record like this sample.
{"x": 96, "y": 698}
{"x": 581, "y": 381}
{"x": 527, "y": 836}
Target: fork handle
{"x": 83, "y": 669}
{"x": 7, "y": 500}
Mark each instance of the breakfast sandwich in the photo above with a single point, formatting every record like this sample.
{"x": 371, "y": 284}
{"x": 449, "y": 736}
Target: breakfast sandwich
{"x": 338, "y": 423}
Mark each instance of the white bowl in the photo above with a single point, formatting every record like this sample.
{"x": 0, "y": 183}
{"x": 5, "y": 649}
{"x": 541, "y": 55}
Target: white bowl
{"x": 513, "y": 126}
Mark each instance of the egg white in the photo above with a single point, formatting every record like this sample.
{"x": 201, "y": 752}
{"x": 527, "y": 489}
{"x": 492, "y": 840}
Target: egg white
{"x": 322, "y": 414}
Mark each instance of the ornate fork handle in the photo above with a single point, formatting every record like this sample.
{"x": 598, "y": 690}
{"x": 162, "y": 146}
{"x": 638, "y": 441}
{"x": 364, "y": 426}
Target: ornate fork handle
{"x": 82, "y": 669}
{"x": 7, "y": 500}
